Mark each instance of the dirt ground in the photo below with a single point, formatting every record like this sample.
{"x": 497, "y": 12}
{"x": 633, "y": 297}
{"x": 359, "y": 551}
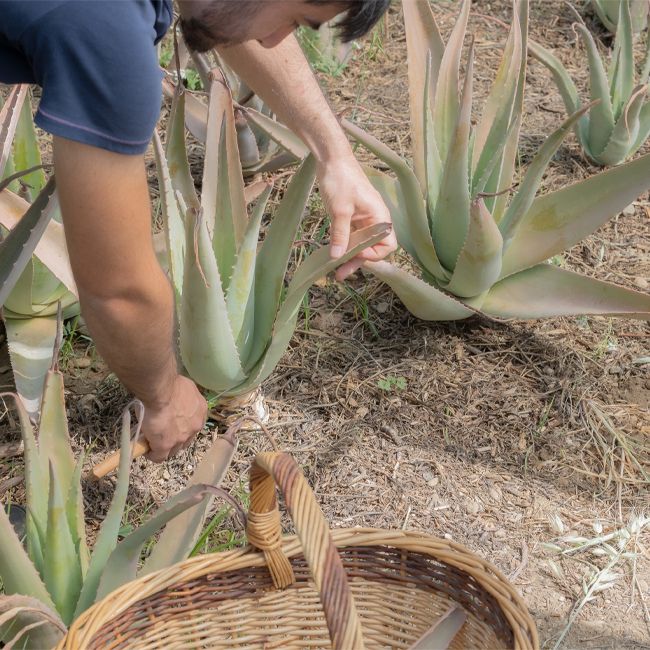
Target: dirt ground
{"x": 479, "y": 431}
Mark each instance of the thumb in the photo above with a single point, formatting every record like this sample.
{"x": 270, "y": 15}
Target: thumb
{"x": 340, "y": 234}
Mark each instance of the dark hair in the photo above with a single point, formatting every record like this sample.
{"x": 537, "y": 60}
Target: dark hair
{"x": 360, "y": 16}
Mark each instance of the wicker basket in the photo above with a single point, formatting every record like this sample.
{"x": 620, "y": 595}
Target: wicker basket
{"x": 350, "y": 589}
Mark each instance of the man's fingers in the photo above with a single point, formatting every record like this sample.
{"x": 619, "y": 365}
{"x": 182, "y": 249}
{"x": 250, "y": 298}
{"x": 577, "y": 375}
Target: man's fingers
{"x": 158, "y": 455}
{"x": 346, "y": 270}
{"x": 340, "y": 234}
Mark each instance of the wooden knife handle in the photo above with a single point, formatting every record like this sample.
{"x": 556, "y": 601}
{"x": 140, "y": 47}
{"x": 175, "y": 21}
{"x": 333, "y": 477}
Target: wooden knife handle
{"x": 140, "y": 447}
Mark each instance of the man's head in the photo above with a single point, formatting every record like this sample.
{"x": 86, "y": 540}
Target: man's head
{"x": 209, "y": 23}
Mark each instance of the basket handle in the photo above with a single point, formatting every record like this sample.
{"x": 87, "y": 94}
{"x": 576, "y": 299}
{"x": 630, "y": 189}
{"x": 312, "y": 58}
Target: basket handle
{"x": 265, "y": 533}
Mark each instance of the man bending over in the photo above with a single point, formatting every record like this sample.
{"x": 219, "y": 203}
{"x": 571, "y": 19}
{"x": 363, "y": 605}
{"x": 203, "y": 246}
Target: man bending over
{"x": 101, "y": 91}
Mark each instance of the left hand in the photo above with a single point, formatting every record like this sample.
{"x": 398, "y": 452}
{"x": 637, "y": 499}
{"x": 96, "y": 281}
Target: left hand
{"x": 352, "y": 203}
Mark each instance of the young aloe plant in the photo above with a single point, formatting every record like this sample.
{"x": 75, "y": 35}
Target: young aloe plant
{"x": 608, "y": 12}
{"x": 30, "y": 309}
{"x": 479, "y": 252}
{"x": 619, "y": 124}
{"x": 55, "y": 577}
{"x": 264, "y": 144}
{"x": 236, "y": 315}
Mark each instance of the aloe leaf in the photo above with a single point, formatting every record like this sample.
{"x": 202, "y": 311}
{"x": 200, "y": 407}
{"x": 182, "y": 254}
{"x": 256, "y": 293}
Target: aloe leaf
{"x": 533, "y": 177}
{"x": 316, "y": 265}
{"x": 498, "y": 115}
{"x": 18, "y": 574}
{"x": 9, "y": 116}
{"x": 432, "y": 162}
{"x": 62, "y": 569}
{"x": 240, "y": 301}
{"x": 560, "y": 219}
{"x": 27, "y": 153}
{"x": 54, "y": 437}
{"x": 601, "y": 118}
{"x": 279, "y": 133}
{"x": 567, "y": 88}
{"x": 644, "y": 128}
{"x": 121, "y": 567}
{"x": 479, "y": 264}
{"x": 626, "y": 130}
{"x": 31, "y": 342}
{"x": 50, "y": 249}
{"x": 418, "y": 222}
{"x": 599, "y": 6}
{"x": 222, "y": 193}
{"x": 425, "y": 50}
{"x": 174, "y": 229}
{"x": 274, "y": 254}
{"x": 36, "y": 483}
{"x": 32, "y": 622}
{"x": 423, "y": 300}
{"x": 176, "y": 152}
{"x": 451, "y": 216}
{"x": 623, "y": 77}
{"x": 645, "y": 73}
{"x": 75, "y": 514}
{"x": 179, "y": 536}
{"x": 195, "y": 111}
{"x": 391, "y": 193}
{"x": 446, "y": 105}
{"x": 504, "y": 174}
{"x": 547, "y": 291}
{"x": 17, "y": 247}
{"x": 107, "y": 538}
{"x": 207, "y": 344}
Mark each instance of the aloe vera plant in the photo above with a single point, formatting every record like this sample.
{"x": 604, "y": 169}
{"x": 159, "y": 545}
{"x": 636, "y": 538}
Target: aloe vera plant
{"x": 30, "y": 309}
{"x": 619, "y": 124}
{"x": 478, "y": 250}
{"x": 264, "y": 144}
{"x": 55, "y": 577}
{"x": 236, "y": 316}
{"x": 608, "y": 12}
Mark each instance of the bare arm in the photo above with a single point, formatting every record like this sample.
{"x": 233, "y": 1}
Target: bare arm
{"x": 125, "y": 297}
{"x": 283, "y": 78}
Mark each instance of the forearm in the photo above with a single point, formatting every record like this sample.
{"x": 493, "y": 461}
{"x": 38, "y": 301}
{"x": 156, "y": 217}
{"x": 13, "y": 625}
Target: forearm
{"x": 125, "y": 296}
{"x": 134, "y": 334}
{"x": 281, "y": 76}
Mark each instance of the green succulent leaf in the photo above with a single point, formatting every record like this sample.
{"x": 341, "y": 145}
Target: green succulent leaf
{"x": 179, "y": 536}
{"x": 279, "y": 133}
{"x": 121, "y": 567}
{"x": 61, "y": 564}
{"x": 560, "y": 219}
{"x": 601, "y": 118}
{"x": 425, "y": 49}
{"x": 626, "y": 130}
{"x": 207, "y": 344}
{"x": 108, "y": 533}
{"x": 240, "y": 301}
{"x": 548, "y": 291}
{"x": 27, "y": 153}
{"x": 17, "y": 572}
{"x": 16, "y": 248}
{"x": 422, "y": 299}
{"x": 174, "y": 228}
{"x": 9, "y": 116}
{"x": 478, "y": 266}
{"x": 451, "y": 217}
{"x": 273, "y": 256}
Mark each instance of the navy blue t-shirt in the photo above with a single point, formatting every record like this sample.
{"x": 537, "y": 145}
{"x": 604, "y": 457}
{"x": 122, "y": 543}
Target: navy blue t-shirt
{"x": 96, "y": 63}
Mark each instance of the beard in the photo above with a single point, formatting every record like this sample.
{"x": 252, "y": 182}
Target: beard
{"x": 219, "y": 24}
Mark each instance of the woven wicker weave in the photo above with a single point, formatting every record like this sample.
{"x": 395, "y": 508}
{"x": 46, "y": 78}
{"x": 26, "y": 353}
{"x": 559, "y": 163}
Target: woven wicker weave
{"x": 350, "y": 589}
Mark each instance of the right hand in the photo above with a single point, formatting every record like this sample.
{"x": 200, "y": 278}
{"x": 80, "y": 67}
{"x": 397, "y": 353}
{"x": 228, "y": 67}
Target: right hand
{"x": 171, "y": 426}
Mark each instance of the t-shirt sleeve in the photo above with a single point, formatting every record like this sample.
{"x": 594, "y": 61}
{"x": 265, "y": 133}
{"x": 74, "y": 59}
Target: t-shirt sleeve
{"x": 97, "y": 65}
